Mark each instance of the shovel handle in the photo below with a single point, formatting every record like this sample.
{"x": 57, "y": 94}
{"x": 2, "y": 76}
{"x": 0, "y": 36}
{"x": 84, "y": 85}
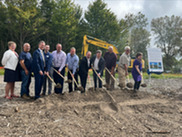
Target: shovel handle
{"x": 51, "y": 79}
{"x": 73, "y": 77}
{"x": 59, "y": 73}
{"x": 142, "y": 78}
{"x": 98, "y": 75}
{"x": 128, "y": 78}
{"x": 110, "y": 73}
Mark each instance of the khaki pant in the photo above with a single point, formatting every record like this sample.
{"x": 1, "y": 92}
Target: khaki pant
{"x": 122, "y": 77}
{"x": 109, "y": 80}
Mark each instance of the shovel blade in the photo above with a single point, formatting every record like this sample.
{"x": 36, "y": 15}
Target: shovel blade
{"x": 129, "y": 85}
{"x": 58, "y": 85}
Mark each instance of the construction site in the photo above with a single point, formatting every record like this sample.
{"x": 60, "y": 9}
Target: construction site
{"x": 155, "y": 111}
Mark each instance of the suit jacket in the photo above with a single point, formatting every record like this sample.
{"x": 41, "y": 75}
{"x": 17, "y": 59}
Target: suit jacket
{"x": 83, "y": 68}
{"x": 48, "y": 60}
{"x": 101, "y": 64}
{"x": 37, "y": 63}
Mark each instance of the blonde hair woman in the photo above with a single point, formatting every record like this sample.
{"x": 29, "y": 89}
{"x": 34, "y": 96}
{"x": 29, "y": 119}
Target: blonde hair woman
{"x": 10, "y": 62}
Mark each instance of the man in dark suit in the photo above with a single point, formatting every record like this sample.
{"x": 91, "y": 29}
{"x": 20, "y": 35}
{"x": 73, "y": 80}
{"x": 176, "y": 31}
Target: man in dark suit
{"x": 85, "y": 65}
{"x": 98, "y": 63}
{"x": 38, "y": 68}
{"x": 48, "y": 70}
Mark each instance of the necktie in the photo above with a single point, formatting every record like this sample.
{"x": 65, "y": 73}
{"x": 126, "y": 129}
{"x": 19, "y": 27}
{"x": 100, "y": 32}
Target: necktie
{"x": 43, "y": 57}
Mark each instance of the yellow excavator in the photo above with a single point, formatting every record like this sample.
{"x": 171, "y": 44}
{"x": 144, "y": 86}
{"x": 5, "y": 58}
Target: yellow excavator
{"x": 96, "y": 42}
{"x": 102, "y": 44}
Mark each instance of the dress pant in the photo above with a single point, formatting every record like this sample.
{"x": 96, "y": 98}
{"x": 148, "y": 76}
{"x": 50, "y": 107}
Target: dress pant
{"x": 122, "y": 77}
{"x": 71, "y": 84}
{"x": 109, "y": 80}
{"x": 26, "y": 80}
{"x": 58, "y": 79}
{"x": 83, "y": 78}
{"x": 39, "y": 79}
{"x": 96, "y": 79}
{"x": 49, "y": 83}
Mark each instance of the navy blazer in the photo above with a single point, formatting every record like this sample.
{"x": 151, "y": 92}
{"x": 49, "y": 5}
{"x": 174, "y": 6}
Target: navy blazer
{"x": 83, "y": 68}
{"x": 101, "y": 64}
{"x": 37, "y": 63}
{"x": 48, "y": 60}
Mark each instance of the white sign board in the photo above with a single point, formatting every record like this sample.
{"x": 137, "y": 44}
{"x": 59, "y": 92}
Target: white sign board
{"x": 155, "y": 60}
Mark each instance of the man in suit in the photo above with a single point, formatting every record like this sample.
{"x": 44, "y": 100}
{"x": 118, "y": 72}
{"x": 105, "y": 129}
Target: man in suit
{"x": 48, "y": 70}
{"x": 85, "y": 65}
{"x": 38, "y": 68}
{"x": 98, "y": 63}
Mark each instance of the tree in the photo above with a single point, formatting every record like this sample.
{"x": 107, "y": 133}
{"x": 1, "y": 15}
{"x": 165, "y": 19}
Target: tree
{"x": 138, "y": 37}
{"x": 3, "y": 27}
{"x": 64, "y": 23}
{"x": 168, "y": 36}
{"x": 23, "y": 20}
{"x": 102, "y": 23}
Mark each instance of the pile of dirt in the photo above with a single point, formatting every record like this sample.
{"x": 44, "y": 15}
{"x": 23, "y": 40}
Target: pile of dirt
{"x": 93, "y": 114}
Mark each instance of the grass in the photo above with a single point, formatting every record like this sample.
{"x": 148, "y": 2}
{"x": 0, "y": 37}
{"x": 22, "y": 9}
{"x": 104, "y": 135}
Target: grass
{"x": 1, "y": 71}
{"x": 145, "y": 75}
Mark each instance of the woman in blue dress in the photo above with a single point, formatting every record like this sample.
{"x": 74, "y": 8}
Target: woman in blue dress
{"x": 137, "y": 71}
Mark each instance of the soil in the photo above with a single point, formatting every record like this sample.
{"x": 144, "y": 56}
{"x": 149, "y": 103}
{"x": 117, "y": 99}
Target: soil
{"x": 155, "y": 111}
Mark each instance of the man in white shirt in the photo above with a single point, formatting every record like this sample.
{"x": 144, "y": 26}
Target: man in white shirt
{"x": 98, "y": 64}
{"x": 59, "y": 59}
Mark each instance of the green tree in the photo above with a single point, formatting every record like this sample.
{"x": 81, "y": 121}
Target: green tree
{"x": 23, "y": 20}
{"x": 168, "y": 36}
{"x": 3, "y": 27}
{"x": 138, "y": 37}
{"x": 64, "y": 23}
{"x": 102, "y": 22}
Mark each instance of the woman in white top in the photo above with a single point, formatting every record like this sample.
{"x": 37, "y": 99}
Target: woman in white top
{"x": 10, "y": 61}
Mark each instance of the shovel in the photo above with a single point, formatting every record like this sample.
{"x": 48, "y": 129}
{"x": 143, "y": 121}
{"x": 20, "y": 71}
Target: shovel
{"x": 112, "y": 76}
{"x": 99, "y": 77}
{"x": 113, "y": 101}
{"x": 143, "y": 84}
{"x": 58, "y": 85}
{"x": 78, "y": 87}
{"x": 129, "y": 84}
{"x": 66, "y": 81}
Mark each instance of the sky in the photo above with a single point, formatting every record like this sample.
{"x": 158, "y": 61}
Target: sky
{"x": 150, "y": 8}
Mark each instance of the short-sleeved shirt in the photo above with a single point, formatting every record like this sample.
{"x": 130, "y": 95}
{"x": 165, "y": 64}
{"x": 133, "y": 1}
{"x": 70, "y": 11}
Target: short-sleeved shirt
{"x": 124, "y": 60}
{"x": 26, "y": 56}
{"x": 136, "y": 75}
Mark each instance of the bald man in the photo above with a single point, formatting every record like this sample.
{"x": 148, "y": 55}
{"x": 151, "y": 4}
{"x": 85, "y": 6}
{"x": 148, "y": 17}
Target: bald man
{"x": 59, "y": 59}
{"x": 110, "y": 63}
{"x": 25, "y": 62}
{"x": 85, "y": 65}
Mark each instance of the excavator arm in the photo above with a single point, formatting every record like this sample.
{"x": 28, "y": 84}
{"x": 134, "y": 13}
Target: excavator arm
{"x": 96, "y": 42}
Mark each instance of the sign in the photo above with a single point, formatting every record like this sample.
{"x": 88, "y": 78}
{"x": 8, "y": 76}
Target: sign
{"x": 155, "y": 60}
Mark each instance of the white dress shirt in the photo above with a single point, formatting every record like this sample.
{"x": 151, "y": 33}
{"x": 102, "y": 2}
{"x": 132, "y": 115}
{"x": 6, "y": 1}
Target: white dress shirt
{"x": 59, "y": 59}
{"x": 43, "y": 57}
{"x": 88, "y": 61}
{"x": 9, "y": 60}
{"x": 96, "y": 64}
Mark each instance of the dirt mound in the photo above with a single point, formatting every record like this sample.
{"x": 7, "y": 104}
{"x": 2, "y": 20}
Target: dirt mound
{"x": 93, "y": 113}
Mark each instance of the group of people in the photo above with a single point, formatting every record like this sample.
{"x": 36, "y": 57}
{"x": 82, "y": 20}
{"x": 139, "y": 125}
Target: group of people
{"x": 47, "y": 66}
